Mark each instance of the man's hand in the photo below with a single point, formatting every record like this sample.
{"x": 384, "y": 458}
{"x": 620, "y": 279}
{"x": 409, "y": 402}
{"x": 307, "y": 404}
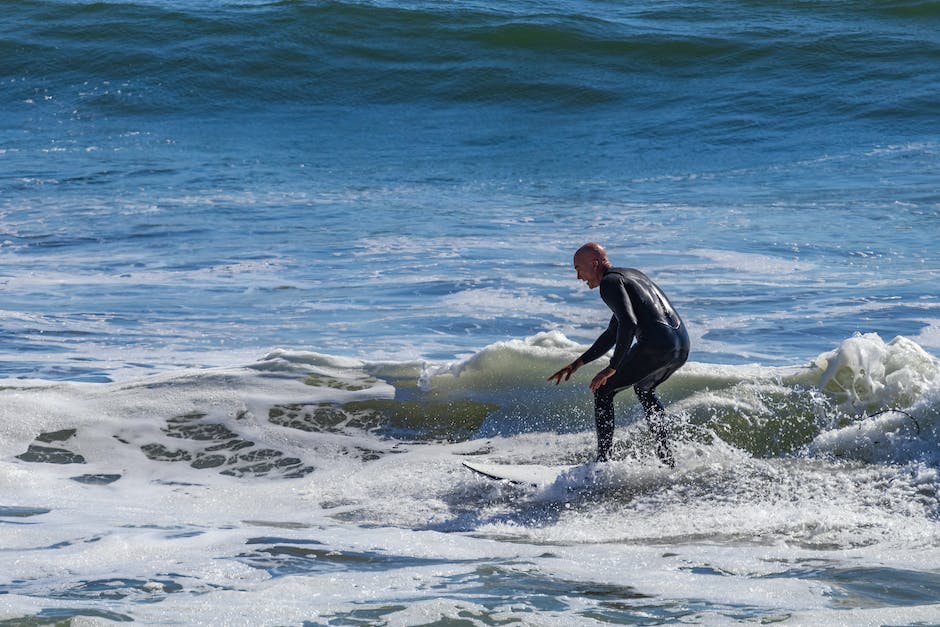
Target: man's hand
{"x": 601, "y": 378}
{"x": 566, "y": 372}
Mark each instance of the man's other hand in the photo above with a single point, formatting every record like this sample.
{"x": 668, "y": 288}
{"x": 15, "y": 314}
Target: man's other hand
{"x": 565, "y": 372}
{"x": 601, "y": 378}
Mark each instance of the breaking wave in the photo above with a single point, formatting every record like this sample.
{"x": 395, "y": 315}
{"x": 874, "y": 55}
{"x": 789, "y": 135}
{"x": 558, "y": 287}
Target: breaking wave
{"x": 868, "y": 400}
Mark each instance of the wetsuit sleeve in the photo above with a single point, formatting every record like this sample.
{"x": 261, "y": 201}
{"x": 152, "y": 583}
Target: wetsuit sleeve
{"x": 614, "y": 294}
{"x": 602, "y": 344}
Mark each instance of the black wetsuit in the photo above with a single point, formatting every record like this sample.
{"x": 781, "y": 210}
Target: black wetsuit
{"x": 641, "y": 312}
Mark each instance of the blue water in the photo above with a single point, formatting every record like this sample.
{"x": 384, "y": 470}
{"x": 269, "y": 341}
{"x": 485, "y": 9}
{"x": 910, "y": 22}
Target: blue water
{"x": 183, "y": 179}
{"x": 207, "y": 205}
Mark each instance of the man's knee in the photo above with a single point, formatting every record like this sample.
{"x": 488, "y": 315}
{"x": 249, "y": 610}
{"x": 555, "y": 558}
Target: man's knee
{"x": 604, "y": 395}
{"x": 645, "y": 395}
{"x": 649, "y": 400}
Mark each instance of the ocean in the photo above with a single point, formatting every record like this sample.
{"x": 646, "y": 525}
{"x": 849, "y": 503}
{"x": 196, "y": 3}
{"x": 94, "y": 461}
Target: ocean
{"x": 270, "y": 271}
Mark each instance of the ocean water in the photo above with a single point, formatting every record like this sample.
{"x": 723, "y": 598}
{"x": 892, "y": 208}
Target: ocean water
{"x": 271, "y": 270}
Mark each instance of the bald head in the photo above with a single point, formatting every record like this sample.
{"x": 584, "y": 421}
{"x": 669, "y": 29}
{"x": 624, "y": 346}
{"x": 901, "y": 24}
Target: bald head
{"x": 591, "y": 252}
{"x": 590, "y": 262}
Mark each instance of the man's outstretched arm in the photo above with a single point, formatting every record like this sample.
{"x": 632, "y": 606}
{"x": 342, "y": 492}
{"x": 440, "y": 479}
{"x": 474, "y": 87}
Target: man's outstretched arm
{"x": 603, "y": 343}
{"x": 600, "y": 346}
{"x": 616, "y": 297}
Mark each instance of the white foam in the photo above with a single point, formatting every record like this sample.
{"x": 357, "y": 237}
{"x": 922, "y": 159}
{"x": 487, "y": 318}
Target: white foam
{"x": 866, "y": 371}
{"x": 929, "y": 336}
{"x": 723, "y": 530}
{"x": 489, "y": 303}
{"x": 753, "y": 263}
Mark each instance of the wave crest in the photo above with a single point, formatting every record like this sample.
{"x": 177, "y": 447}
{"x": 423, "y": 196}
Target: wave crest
{"x": 282, "y": 415}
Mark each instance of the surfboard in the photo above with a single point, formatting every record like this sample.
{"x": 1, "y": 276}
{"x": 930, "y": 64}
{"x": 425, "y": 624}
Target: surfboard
{"x": 531, "y": 474}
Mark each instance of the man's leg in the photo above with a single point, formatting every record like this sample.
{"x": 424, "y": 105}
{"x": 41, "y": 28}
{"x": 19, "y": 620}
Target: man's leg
{"x": 643, "y": 371}
{"x": 604, "y": 421}
{"x": 656, "y": 418}
{"x": 635, "y": 369}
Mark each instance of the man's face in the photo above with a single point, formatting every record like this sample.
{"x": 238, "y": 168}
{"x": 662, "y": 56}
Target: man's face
{"x": 588, "y": 270}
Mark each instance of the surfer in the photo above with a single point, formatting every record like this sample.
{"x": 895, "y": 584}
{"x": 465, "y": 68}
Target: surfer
{"x": 641, "y": 312}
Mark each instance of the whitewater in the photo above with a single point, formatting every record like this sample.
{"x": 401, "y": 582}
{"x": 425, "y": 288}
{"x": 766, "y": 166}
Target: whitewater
{"x": 312, "y": 489}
